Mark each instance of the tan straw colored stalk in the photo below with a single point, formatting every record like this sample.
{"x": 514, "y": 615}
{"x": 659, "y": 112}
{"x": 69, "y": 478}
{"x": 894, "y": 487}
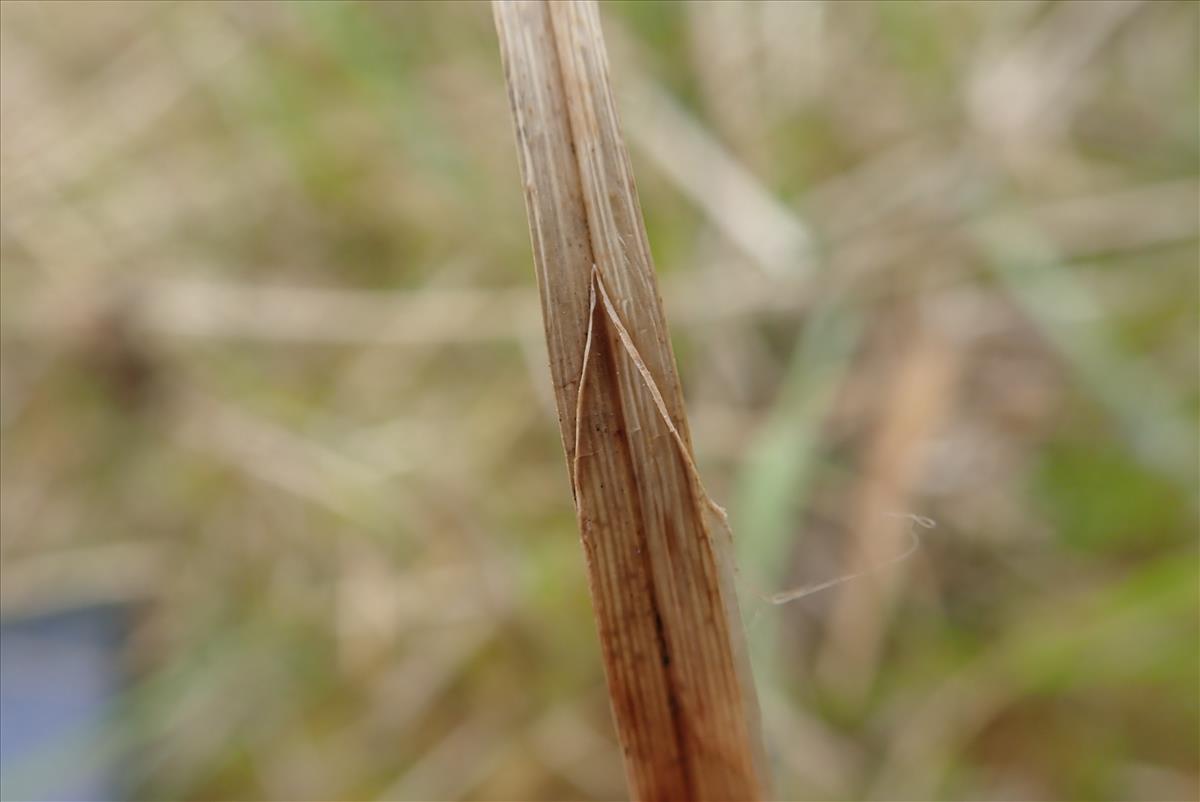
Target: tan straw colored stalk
{"x": 657, "y": 548}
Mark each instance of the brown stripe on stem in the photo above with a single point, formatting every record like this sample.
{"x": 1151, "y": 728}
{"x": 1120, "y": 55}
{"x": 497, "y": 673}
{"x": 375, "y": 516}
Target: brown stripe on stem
{"x": 658, "y": 561}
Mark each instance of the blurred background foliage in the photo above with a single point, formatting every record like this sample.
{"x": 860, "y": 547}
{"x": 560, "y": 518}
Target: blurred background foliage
{"x": 273, "y": 383}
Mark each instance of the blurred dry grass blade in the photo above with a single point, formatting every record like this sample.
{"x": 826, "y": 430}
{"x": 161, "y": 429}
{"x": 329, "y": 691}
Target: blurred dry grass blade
{"x": 918, "y": 398}
{"x": 659, "y": 568}
{"x": 431, "y": 317}
{"x": 1030, "y": 90}
{"x": 63, "y": 578}
{"x": 769, "y": 233}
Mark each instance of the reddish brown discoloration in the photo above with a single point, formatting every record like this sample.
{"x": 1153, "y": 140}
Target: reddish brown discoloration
{"x": 669, "y": 631}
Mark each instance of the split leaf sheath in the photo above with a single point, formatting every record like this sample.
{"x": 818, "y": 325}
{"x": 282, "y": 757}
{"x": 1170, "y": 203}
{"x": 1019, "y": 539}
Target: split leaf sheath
{"x": 657, "y": 548}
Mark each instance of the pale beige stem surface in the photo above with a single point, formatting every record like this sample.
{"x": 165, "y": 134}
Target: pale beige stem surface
{"x": 657, "y": 551}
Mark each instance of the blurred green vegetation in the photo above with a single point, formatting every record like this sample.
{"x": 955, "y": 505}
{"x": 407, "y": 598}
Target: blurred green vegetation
{"x": 272, "y": 371}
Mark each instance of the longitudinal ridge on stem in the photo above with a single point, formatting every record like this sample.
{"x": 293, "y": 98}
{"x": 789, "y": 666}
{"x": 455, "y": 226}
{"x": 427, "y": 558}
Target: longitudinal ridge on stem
{"x": 658, "y": 568}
